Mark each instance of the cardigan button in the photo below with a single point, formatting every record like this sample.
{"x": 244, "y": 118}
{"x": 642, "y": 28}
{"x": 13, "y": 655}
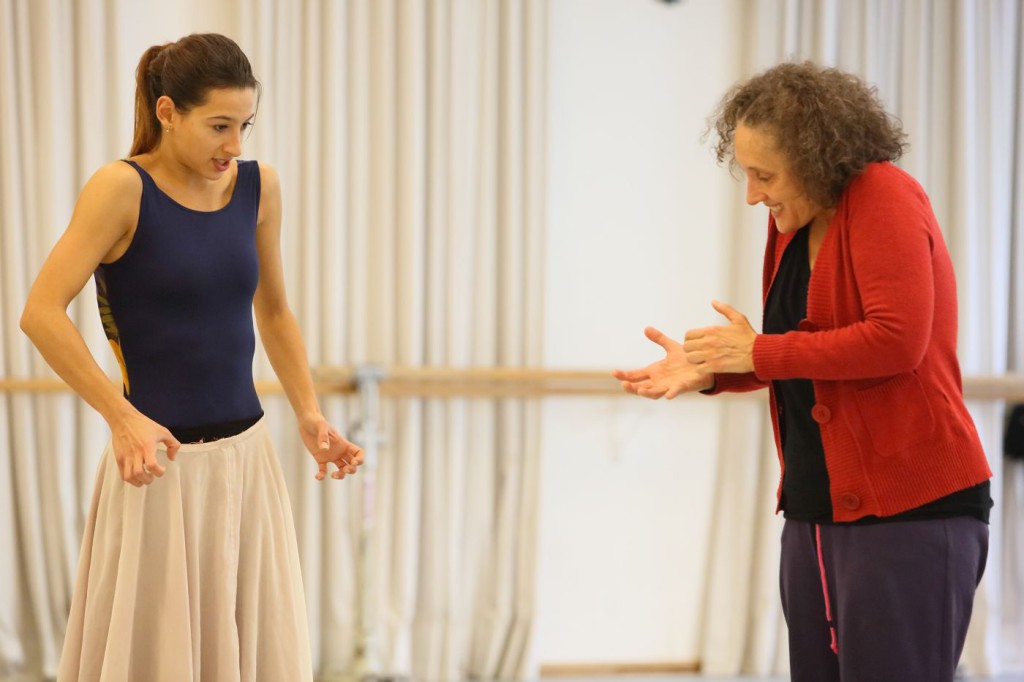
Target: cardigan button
{"x": 821, "y": 414}
{"x": 806, "y": 325}
{"x": 849, "y": 501}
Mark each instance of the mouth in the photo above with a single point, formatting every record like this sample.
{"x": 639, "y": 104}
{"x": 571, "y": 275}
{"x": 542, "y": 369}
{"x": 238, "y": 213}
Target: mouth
{"x": 775, "y": 210}
{"x": 222, "y": 164}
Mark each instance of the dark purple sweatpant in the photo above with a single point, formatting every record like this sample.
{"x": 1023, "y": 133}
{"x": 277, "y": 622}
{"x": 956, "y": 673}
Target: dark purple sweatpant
{"x": 900, "y": 594}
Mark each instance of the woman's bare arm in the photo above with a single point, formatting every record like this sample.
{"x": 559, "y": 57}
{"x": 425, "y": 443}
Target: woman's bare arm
{"x": 100, "y": 229}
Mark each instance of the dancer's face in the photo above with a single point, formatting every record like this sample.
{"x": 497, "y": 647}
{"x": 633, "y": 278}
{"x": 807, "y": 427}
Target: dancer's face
{"x": 208, "y": 137}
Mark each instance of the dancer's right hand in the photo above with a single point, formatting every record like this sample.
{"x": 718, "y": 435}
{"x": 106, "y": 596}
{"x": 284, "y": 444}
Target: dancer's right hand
{"x": 134, "y": 438}
{"x": 667, "y": 377}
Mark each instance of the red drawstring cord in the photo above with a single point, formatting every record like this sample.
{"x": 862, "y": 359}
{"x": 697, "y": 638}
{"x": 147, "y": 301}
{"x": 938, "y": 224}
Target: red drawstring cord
{"x": 824, "y": 589}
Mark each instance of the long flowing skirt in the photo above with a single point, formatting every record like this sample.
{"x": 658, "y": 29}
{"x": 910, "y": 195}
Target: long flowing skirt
{"x": 193, "y": 578}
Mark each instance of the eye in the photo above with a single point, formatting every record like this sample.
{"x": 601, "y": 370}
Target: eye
{"x": 220, "y": 127}
{"x": 246, "y": 126}
{"x": 764, "y": 178}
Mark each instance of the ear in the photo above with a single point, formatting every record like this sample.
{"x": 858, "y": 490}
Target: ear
{"x": 165, "y": 111}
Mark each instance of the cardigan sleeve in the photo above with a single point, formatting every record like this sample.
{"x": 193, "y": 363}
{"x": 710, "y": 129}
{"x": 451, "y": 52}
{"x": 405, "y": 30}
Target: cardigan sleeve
{"x": 887, "y": 234}
{"x": 735, "y": 383}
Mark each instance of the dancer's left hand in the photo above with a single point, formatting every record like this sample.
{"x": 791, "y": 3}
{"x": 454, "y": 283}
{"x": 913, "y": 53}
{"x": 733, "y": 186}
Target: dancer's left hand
{"x": 329, "y": 447}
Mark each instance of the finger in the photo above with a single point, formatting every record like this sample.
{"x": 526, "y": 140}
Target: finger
{"x": 172, "y": 443}
{"x": 346, "y": 465}
{"x": 321, "y": 471}
{"x": 323, "y": 436}
{"x": 652, "y": 395}
{"x": 152, "y": 466}
{"x": 139, "y": 473}
{"x": 697, "y": 357}
{"x": 358, "y": 456}
{"x": 694, "y": 334}
{"x": 696, "y": 345}
{"x": 125, "y": 466}
{"x": 651, "y": 391}
{"x": 632, "y": 375}
{"x": 629, "y": 387}
{"x": 659, "y": 338}
{"x": 339, "y": 473}
{"x": 731, "y": 314}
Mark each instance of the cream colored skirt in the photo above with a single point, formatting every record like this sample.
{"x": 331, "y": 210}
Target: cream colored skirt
{"x": 194, "y": 577}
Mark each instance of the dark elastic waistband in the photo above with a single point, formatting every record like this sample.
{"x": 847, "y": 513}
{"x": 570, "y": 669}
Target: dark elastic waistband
{"x": 204, "y": 433}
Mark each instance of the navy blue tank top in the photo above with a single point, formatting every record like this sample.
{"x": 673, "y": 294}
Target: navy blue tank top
{"x": 177, "y": 307}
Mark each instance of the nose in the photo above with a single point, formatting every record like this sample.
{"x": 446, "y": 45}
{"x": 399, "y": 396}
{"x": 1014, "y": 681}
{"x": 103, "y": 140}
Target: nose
{"x": 754, "y": 193}
{"x": 233, "y": 147}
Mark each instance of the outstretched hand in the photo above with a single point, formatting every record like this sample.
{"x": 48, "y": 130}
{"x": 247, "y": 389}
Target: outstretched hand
{"x": 329, "y": 447}
{"x": 666, "y": 378}
{"x": 726, "y": 349}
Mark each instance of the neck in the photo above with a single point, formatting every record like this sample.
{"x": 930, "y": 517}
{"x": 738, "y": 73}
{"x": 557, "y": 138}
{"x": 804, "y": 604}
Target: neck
{"x": 818, "y": 228}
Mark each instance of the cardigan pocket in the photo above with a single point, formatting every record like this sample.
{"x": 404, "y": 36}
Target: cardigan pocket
{"x": 896, "y": 414}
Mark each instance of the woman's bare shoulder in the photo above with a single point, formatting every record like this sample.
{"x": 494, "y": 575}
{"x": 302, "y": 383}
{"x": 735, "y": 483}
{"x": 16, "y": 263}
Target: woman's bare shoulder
{"x": 116, "y": 181}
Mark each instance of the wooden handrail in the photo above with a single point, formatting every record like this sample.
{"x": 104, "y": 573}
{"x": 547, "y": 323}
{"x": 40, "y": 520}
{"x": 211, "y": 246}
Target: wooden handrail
{"x": 1008, "y": 387}
{"x": 500, "y": 382}
{"x": 58, "y": 386}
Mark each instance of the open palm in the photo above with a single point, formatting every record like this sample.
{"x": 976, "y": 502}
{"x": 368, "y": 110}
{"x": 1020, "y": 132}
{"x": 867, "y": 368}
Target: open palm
{"x": 665, "y": 378}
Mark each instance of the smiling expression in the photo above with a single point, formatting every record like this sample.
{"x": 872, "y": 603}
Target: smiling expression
{"x": 770, "y": 182}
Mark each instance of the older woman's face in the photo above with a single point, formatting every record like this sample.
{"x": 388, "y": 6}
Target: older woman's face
{"x": 769, "y": 181}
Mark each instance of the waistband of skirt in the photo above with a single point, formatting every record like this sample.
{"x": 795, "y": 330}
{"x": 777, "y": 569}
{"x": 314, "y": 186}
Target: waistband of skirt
{"x": 256, "y": 429}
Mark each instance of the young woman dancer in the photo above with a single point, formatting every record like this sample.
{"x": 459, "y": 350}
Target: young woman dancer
{"x": 189, "y": 566}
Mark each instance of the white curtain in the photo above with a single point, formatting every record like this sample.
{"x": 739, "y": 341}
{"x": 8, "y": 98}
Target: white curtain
{"x": 422, "y": 163}
{"x": 1012, "y": 492}
{"x": 409, "y": 136}
{"x": 951, "y": 70}
{"x": 56, "y": 127}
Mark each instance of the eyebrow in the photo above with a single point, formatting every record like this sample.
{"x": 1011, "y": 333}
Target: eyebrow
{"x": 224, "y": 117}
{"x": 754, "y": 169}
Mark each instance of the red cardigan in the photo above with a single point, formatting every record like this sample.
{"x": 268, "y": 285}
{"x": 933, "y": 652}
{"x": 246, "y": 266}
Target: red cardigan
{"x": 879, "y": 344}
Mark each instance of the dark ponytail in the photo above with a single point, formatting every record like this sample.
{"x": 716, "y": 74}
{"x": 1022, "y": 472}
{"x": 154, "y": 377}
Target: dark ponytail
{"x": 147, "y": 91}
{"x": 185, "y": 71}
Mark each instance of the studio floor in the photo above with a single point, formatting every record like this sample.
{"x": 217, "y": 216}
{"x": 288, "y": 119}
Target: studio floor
{"x": 694, "y": 678}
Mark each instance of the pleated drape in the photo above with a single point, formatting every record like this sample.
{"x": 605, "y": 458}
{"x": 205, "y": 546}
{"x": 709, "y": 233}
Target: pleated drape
{"x": 56, "y": 126}
{"x": 415, "y": 198}
{"x": 1012, "y": 492}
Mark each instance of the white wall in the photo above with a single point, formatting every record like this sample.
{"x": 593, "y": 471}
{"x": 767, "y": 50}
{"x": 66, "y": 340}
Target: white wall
{"x": 636, "y": 207}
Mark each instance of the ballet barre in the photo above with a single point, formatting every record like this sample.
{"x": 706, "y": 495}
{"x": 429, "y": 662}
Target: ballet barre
{"x": 497, "y": 382}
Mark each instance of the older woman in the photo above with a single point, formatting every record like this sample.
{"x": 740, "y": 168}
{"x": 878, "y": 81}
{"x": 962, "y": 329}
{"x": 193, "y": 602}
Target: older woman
{"x": 884, "y": 483}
